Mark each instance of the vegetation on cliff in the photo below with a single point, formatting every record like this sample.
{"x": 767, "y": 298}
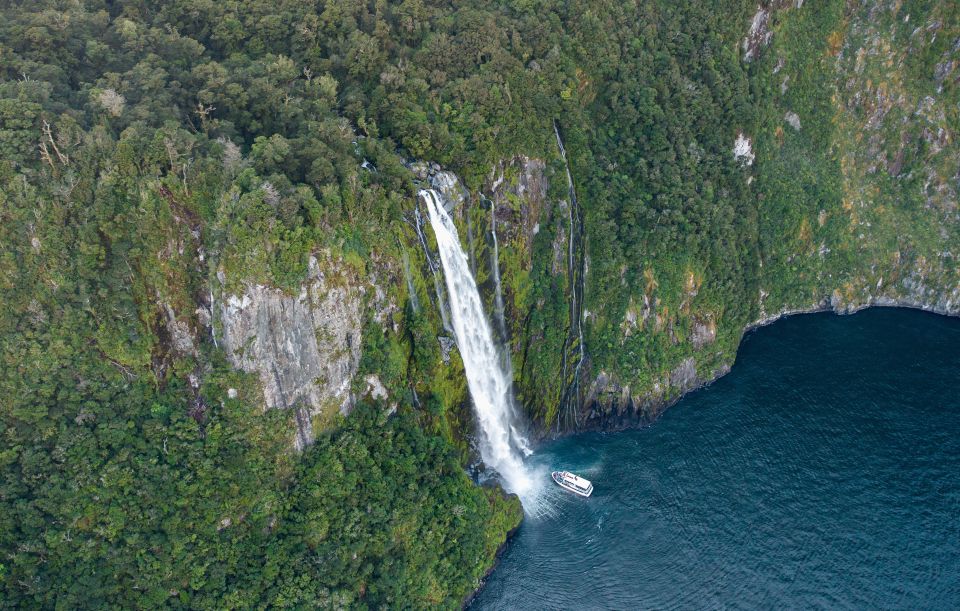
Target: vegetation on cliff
{"x": 841, "y": 190}
{"x": 158, "y": 158}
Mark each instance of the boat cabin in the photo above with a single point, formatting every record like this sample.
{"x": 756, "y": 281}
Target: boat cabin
{"x": 573, "y": 483}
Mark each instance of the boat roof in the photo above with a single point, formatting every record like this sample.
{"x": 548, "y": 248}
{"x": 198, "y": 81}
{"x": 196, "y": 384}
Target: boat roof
{"x": 576, "y": 479}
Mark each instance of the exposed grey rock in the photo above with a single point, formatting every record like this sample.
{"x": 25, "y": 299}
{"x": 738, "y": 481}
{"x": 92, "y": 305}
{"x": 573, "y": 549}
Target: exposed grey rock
{"x": 743, "y": 149}
{"x": 704, "y": 332}
{"x": 611, "y": 405}
{"x": 203, "y": 317}
{"x": 446, "y": 345}
{"x": 759, "y": 35}
{"x": 375, "y": 388}
{"x": 305, "y": 348}
{"x": 448, "y": 185}
{"x": 420, "y": 169}
{"x": 684, "y": 375}
{"x": 607, "y": 397}
{"x": 792, "y": 119}
{"x": 181, "y": 337}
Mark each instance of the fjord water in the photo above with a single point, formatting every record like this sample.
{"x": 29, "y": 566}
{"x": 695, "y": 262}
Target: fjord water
{"x": 822, "y": 472}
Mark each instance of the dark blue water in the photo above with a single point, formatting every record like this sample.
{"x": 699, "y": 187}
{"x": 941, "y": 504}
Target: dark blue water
{"x": 822, "y": 472}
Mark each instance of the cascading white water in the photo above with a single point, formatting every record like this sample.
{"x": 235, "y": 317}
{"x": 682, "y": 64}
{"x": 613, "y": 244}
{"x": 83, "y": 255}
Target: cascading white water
{"x": 576, "y": 270}
{"x": 411, "y": 290}
{"x": 490, "y": 383}
{"x": 495, "y": 266}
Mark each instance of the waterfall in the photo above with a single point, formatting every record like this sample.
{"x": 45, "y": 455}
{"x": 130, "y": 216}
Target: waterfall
{"x": 502, "y": 445}
{"x": 576, "y": 271}
{"x": 495, "y": 264}
{"x": 411, "y": 290}
{"x": 473, "y": 264}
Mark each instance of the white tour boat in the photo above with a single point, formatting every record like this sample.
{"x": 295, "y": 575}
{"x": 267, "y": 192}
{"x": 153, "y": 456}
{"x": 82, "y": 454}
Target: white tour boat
{"x": 573, "y": 483}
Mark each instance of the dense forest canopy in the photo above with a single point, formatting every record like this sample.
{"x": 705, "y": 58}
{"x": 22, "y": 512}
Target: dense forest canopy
{"x": 156, "y": 157}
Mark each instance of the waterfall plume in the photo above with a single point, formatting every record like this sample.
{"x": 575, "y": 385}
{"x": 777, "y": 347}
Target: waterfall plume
{"x": 502, "y": 445}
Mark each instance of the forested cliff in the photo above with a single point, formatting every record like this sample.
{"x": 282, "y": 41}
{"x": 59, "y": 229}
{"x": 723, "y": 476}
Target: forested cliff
{"x": 226, "y": 376}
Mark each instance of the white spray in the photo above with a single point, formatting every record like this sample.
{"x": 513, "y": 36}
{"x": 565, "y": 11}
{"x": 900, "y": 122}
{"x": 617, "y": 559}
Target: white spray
{"x": 490, "y": 383}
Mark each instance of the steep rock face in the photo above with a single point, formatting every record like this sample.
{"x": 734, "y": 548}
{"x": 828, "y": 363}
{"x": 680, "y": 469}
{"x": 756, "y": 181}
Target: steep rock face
{"x": 529, "y": 225}
{"x": 611, "y": 404}
{"x": 519, "y": 202}
{"x": 535, "y": 257}
{"x": 517, "y": 193}
{"x": 518, "y": 239}
{"x": 305, "y": 348}
{"x": 451, "y": 190}
{"x": 870, "y": 219}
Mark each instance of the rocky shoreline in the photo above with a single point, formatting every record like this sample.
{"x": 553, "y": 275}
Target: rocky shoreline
{"x": 634, "y": 414}
{"x": 652, "y": 410}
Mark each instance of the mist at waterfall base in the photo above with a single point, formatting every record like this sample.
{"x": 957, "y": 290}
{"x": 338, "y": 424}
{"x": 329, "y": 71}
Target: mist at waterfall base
{"x": 822, "y": 472}
{"x": 489, "y": 376}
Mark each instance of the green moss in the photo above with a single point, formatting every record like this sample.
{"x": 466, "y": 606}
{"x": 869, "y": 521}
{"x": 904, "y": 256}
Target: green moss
{"x": 145, "y": 200}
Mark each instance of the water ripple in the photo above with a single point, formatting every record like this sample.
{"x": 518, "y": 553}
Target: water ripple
{"x": 823, "y": 472}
